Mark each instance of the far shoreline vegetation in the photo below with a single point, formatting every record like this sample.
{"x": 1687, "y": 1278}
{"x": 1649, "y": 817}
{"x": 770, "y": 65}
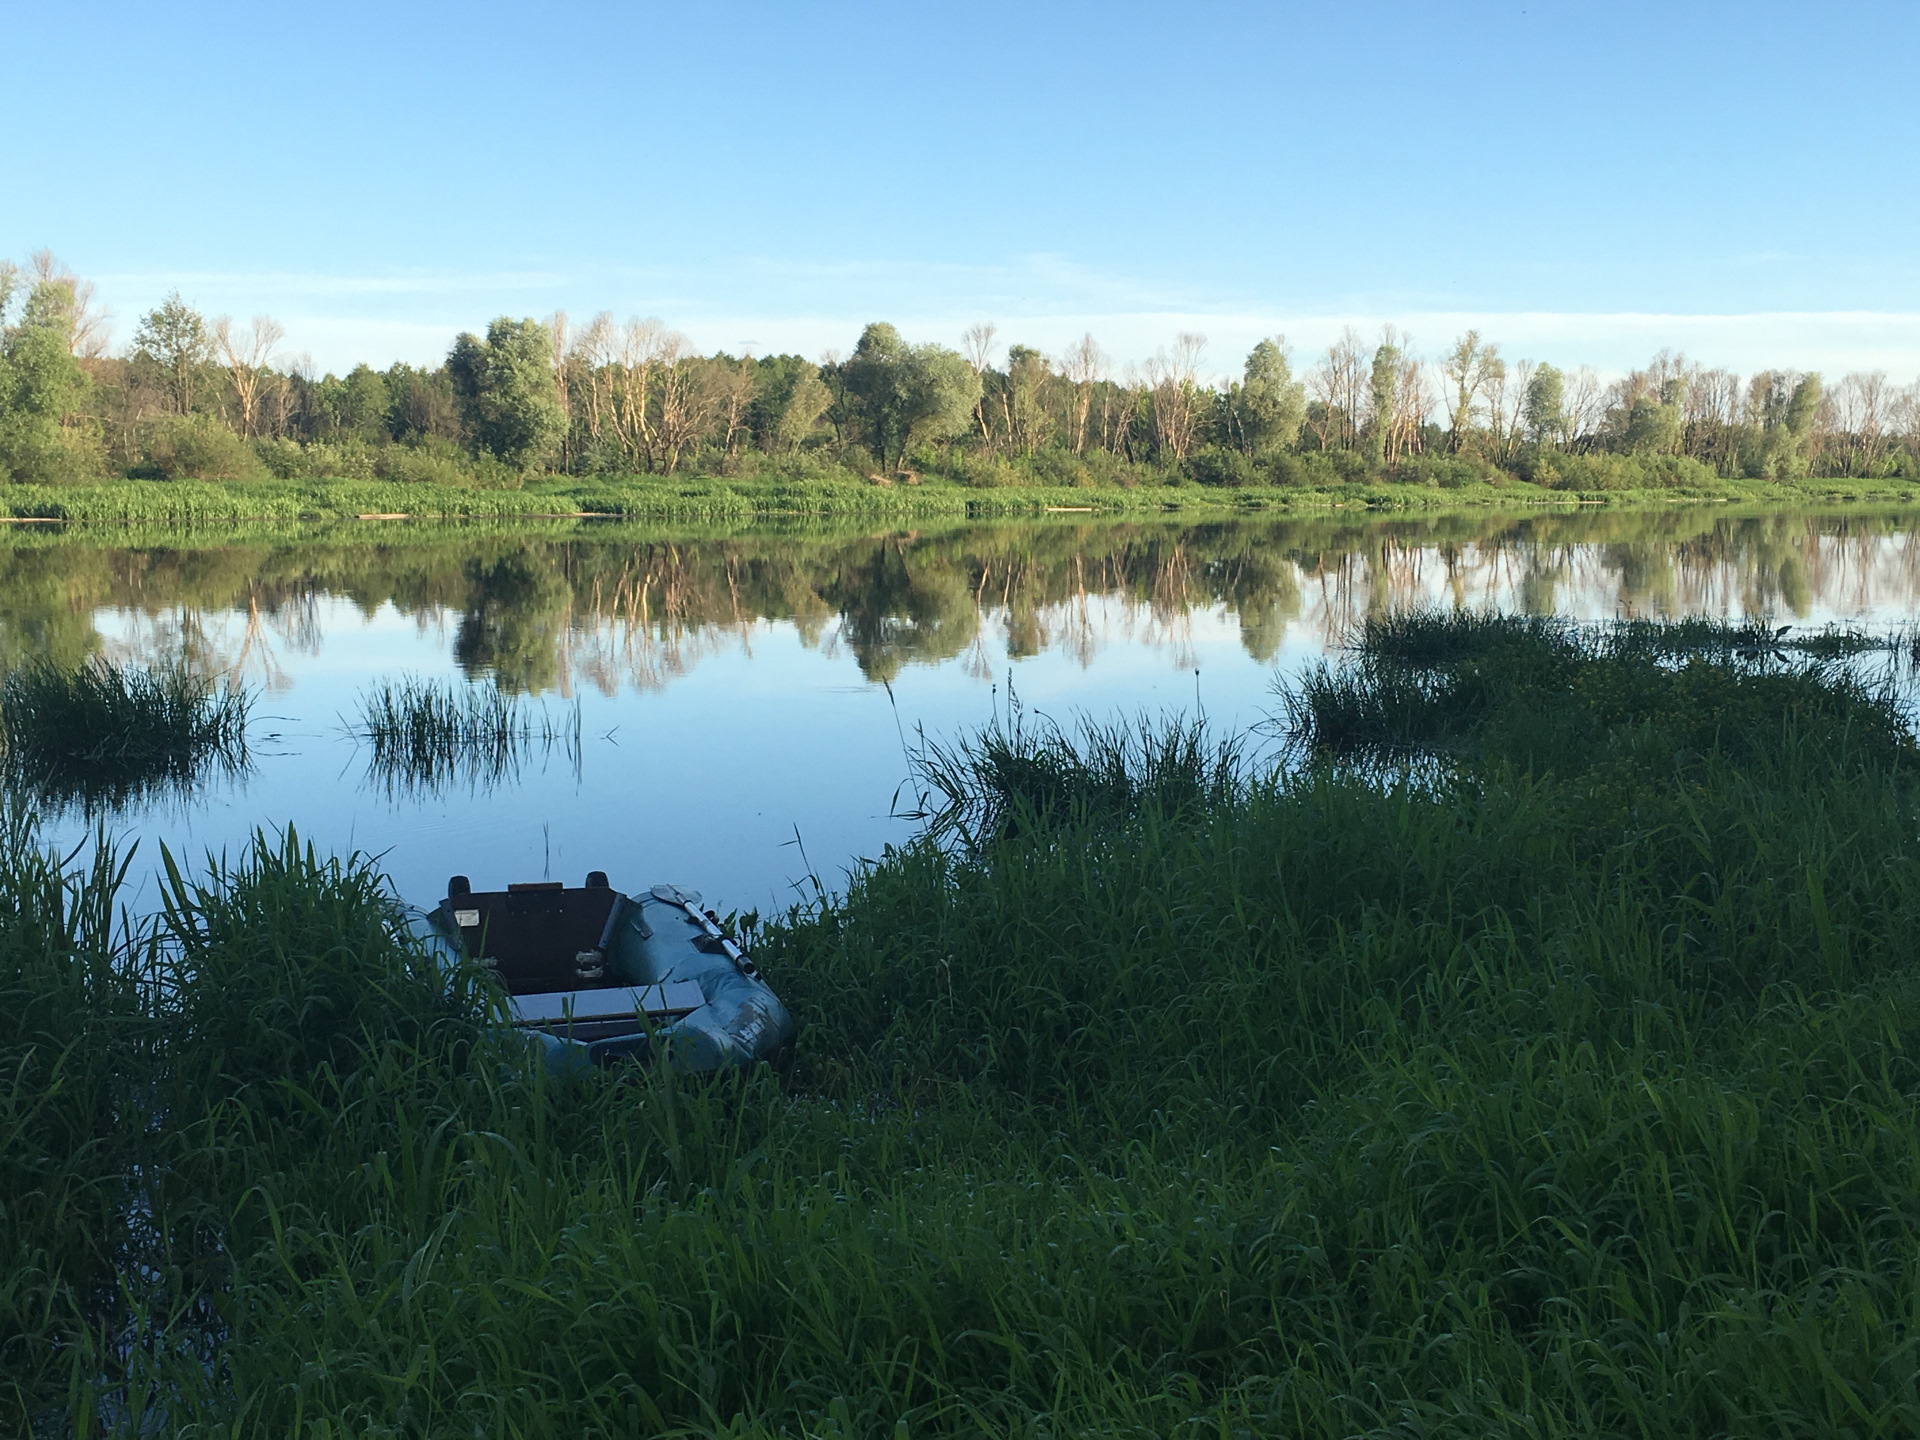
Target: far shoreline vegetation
{"x": 202, "y": 421}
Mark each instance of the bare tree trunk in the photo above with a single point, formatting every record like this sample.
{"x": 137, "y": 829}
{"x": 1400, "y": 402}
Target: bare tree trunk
{"x": 1082, "y": 366}
{"x": 246, "y": 354}
{"x": 977, "y": 346}
{"x": 87, "y": 335}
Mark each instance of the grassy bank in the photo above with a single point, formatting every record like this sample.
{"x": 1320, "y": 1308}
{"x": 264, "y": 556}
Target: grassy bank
{"x": 1535, "y": 1057}
{"x": 717, "y": 499}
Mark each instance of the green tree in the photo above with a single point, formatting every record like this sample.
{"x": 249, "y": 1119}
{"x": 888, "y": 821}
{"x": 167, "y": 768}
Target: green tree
{"x": 1383, "y": 390}
{"x": 807, "y": 402}
{"x": 1271, "y": 404}
{"x": 904, "y": 394}
{"x": 1784, "y": 406}
{"x": 1023, "y": 398}
{"x": 505, "y": 391}
{"x": 44, "y": 393}
{"x": 174, "y": 338}
{"x": 1465, "y": 366}
{"x": 1546, "y": 405}
{"x": 420, "y": 404}
{"x": 357, "y": 406}
{"x": 1652, "y": 428}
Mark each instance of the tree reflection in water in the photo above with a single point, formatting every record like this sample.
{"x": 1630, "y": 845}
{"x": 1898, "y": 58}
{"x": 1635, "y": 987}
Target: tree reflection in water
{"x": 615, "y": 608}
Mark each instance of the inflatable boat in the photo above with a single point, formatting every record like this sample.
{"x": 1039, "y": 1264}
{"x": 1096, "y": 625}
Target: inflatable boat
{"x": 598, "y": 977}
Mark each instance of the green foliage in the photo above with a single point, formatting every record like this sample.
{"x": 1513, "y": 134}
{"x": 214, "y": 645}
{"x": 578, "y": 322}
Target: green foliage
{"x": 421, "y": 405}
{"x": 804, "y": 405}
{"x": 1446, "y": 472}
{"x": 904, "y": 394}
{"x": 1545, "y": 412}
{"x": 1318, "y": 467}
{"x": 282, "y": 458}
{"x": 44, "y": 393}
{"x": 174, "y": 339}
{"x": 358, "y": 407}
{"x": 1269, "y": 406}
{"x": 74, "y": 1041}
{"x": 1786, "y": 406}
{"x": 1217, "y": 465}
{"x": 1601, "y": 471}
{"x": 431, "y": 461}
{"x": 1382, "y": 384}
{"x": 292, "y": 964}
{"x": 1548, "y": 696}
{"x": 504, "y": 386}
{"x": 198, "y": 447}
{"x": 1651, "y": 428}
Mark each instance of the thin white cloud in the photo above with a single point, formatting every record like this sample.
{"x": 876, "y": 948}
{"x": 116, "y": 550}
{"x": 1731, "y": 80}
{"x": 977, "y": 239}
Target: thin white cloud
{"x": 1045, "y": 300}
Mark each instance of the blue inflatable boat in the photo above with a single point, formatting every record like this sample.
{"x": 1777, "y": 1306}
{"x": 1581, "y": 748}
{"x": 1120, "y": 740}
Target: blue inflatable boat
{"x": 599, "y": 977}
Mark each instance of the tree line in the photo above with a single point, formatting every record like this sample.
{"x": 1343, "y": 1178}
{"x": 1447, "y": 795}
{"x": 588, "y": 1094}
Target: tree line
{"x": 193, "y": 396}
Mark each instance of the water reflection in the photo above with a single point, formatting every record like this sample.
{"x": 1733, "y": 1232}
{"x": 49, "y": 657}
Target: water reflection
{"x": 731, "y": 735}
{"x": 613, "y": 610}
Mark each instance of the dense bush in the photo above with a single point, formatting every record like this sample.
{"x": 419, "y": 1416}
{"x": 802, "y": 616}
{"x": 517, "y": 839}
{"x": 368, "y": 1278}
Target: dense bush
{"x": 1601, "y": 470}
{"x": 1217, "y": 465}
{"x": 196, "y": 447}
{"x": 433, "y": 462}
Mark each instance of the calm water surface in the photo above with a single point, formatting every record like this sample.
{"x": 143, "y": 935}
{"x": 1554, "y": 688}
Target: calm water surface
{"x": 745, "y": 703}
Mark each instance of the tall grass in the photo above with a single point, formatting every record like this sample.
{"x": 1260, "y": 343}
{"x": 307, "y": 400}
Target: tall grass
{"x": 426, "y": 735}
{"x": 1530, "y": 1098}
{"x": 75, "y": 1036}
{"x": 103, "y": 733}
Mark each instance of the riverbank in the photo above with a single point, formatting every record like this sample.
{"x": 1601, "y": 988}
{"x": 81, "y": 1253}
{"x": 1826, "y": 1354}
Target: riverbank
{"x": 1561, "y": 1080}
{"x": 715, "y": 499}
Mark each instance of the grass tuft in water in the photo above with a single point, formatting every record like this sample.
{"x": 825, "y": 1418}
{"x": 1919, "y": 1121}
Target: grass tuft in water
{"x": 1027, "y": 776}
{"x": 106, "y": 733}
{"x": 426, "y": 736}
{"x": 1547, "y": 693}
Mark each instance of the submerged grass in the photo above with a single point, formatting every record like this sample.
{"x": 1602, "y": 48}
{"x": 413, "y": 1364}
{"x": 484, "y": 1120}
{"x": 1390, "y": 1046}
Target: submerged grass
{"x": 103, "y": 733}
{"x": 1567, "y": 1089}
{"x": 427, "y": 735}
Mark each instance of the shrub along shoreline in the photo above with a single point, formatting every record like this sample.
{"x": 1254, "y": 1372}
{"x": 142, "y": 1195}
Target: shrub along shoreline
{"x": 1535, "y": 1055}
{"x": 709, "y": 498}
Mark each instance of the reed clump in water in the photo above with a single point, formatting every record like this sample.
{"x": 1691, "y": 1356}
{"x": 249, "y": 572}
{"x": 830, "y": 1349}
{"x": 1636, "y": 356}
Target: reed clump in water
{"x": 426, "y": 735}
{"x": 106, "y": 732}
{"x": 1549, "y": 694}
{"x": 1554, "y": 1076}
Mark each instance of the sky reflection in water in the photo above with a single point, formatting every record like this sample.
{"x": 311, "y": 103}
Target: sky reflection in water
{"x": 746, "y": 702}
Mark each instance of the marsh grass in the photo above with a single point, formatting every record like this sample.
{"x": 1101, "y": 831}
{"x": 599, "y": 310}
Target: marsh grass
{"x": 1025, "y": 774}
{"x": 104, "y": 734}
{"x": 1569, "y": 1090}
{"x": 1550, "y": 693}
{"x": 427, "y": 736}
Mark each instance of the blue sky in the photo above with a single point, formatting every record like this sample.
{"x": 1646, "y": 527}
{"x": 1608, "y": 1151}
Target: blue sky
{"x": 1585, "y": 183}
